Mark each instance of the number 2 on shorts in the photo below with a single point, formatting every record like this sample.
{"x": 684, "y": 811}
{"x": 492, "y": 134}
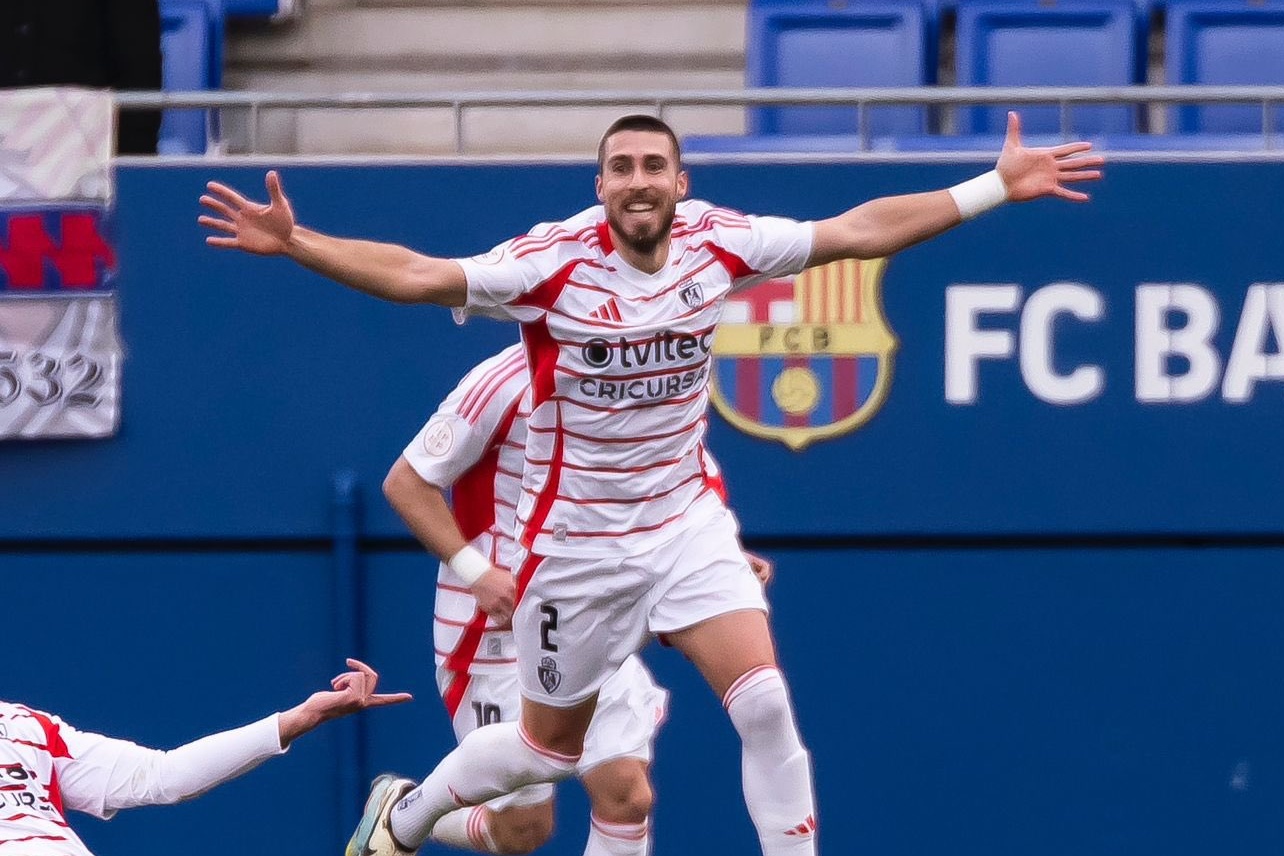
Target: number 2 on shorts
{"x": 547, "y": 626}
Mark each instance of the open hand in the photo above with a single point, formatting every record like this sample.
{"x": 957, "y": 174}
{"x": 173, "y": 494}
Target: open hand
{"x": 1031, "y": 173}
{"x": 260, "y": 229}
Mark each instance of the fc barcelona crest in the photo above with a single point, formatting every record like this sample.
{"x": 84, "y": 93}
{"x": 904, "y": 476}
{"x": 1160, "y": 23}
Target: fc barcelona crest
{"x": 805, "y": 359}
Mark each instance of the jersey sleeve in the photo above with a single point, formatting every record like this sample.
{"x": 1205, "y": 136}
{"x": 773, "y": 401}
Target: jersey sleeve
{"x": 770, "y": 247}
{"x": 502, "y": 283}
{"x": 101, "y": 775}
{"x": 463, "y": 428}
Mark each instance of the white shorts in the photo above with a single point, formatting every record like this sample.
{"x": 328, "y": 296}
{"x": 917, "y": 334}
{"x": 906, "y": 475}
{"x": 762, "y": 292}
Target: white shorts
{"x": 579, "y": 619}
{"x": 630, "y": 709}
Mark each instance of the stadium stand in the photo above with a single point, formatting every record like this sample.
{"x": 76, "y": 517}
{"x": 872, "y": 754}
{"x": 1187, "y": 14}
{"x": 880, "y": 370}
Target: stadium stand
{"x": 192, "y": 56}
{"x": 1079, "y": 43}
{"x": 1221, "y": 42}
{"x": 881, "y": 43}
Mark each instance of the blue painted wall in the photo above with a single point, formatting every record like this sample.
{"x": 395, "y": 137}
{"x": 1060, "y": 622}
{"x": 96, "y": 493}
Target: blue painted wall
{"x": 1012, "y": 627}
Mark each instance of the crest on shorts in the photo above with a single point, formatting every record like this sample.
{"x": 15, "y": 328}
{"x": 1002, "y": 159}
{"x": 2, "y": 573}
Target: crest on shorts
{"x": 805, "y": 359}
{"x": 549, "y": 677}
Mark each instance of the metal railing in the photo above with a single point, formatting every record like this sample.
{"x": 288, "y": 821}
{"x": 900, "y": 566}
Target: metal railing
{"x": 661, "y": 101}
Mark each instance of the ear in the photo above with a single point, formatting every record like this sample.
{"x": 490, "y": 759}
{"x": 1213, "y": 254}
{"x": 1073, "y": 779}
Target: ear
{"x": 684, "y": 184}
{"x": 597, "y": 186}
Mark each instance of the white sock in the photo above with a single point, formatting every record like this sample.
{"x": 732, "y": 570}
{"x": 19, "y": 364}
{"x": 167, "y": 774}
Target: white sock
{"x": 775, "y": 766}
{"x": 618, "y": 839}
{"x": 488, "y": 763}
{"x": 467, "y": 829}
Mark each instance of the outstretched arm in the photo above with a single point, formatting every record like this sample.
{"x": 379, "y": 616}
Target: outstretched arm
{"x": 387, "y": 271}
{"x": 882, "y": 227}
{"x": 103, "y": 774}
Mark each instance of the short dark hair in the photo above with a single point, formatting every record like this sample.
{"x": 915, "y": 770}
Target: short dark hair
{"x": 637, "y": 122}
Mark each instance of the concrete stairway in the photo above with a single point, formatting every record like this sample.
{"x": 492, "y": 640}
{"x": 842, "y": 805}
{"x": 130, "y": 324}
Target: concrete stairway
{"x": 484, "y": 45}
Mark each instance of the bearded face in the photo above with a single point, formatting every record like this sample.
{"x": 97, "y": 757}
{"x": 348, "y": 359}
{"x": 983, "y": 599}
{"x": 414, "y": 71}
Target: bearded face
{"x": 640, "y": 185}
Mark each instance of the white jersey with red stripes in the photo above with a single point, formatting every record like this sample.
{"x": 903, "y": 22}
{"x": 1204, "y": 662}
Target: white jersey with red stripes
{"x": 48, "y": 768}
{"x": 472, "y": 446}
{"x": 619, "y": 363}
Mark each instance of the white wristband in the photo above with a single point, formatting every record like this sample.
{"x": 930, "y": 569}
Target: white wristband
{"x": 469, "y": 564}
{"x": 978, "y": 195}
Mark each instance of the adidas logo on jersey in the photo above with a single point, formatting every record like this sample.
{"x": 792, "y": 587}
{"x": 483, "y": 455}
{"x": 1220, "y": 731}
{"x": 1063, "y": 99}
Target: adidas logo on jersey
{"x": 608, "y": 311}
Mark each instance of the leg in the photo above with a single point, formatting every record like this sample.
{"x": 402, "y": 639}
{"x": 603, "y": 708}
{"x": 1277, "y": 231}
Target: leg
{"x": 621, "y": 798}
{"x": 735, "y": 654}
{"x": 712, "y": 609}
{"x": 513, "y": 824}
{"x": 615, "y": 767}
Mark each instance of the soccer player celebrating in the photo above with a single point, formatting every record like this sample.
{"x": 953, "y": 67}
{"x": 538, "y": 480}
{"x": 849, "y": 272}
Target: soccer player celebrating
{"x": 621, "y": 529}
{"x": 48, "y": 767}
{"x": 474, "y": 446}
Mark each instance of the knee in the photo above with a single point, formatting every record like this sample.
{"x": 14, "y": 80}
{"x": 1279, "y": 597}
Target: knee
{"x": 520, "y": 831}
{"x": 627, "y": 799}
{"x": 761, "y": 706}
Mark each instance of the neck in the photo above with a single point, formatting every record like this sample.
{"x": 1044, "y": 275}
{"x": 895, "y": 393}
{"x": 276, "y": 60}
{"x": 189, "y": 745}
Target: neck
{"x": 651, "y": 262}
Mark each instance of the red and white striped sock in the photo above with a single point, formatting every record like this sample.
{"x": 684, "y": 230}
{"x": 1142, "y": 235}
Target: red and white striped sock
{"x": 488, "y": 763}
{"x": 466, "y": 829}
{"x": 775, "y": 766}
{"x": 618, "y": 839}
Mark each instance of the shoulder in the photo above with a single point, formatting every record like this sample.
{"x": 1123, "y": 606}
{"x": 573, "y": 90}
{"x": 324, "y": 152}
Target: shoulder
{"x": 696, "y": 215}
{"x": 578, "y": 232}
{"x": 493, "y": 384}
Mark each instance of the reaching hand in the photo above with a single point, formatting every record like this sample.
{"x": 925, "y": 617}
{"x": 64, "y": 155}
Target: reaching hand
{"x": 261, "y": 229}
{"x": 763, "y": 569}
{"x": 351, "y": 692}
{"x": 1030, "y": 173}
{"x": 496, "y": 593}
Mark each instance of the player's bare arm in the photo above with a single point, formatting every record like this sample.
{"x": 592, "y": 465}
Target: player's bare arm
{"x": 349, "y": 693}
{"x": 387, "y": 271}
{"x": 425, "y": 511}
{"x": 882, "y": 227}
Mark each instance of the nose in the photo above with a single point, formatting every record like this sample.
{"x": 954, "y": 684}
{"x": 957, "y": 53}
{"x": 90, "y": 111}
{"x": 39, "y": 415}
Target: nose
{"x": 637, "y": 178}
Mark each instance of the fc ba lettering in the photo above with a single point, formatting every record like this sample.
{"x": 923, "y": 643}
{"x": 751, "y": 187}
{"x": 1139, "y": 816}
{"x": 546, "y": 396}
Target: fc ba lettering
{"x": 1175, "y": 326}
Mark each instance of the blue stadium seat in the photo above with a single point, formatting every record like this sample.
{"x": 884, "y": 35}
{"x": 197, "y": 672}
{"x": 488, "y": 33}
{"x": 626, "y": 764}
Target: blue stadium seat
{"x": 1225, "y": 43}
{"x": 1181, "y": 142}
{"x": 192, "y": 59}
{"x": 1067, "y": 43}
{"x": 259, "y": 8}
{"x": 969, "y": 142}
{"x": 815, "y": 43}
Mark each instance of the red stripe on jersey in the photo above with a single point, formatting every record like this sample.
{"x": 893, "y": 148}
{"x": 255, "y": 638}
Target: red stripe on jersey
{"x": 528, "y": 244}
{"x": 736, "y": 266}
{"x": 632, "y": 406}
{"x": 473, "y": 495}
{"x": 620, "y": 534}
{"x": 583, "y": 469}
{"x": 541, "y": 356}
{"x": 455, "y": 692}
{"x": 686, "y": 481}
{"x": 492, "y": 381}
{"x": 646, "y": 438}
{"x": 544, "y": 502}
{"x": 604, "y": 235}
{"x": 715, "y": 483}
{"x": 33, "y": 837}
{"x": 483, "y": 403}
{"x": 544, "y": 295}
{"x": 527, "y": 573}
{"x": 56, "y": 748}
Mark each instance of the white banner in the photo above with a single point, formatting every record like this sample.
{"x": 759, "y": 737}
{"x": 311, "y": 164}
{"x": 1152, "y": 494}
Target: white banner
{"x": 60, "y": 352}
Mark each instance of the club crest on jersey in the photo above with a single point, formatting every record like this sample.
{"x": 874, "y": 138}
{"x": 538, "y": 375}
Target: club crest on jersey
{"x": 692, "y": 295}
{"x": 549, "y": 677}
{"x": 805, "y": 359}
